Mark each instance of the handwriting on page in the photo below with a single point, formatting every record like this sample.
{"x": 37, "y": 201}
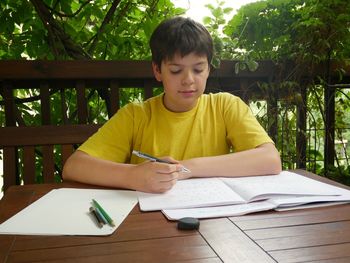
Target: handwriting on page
{"x": 190, "y": 193}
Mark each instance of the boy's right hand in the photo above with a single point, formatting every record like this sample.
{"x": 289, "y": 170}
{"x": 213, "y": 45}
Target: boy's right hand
{"x": 154, "y": 177}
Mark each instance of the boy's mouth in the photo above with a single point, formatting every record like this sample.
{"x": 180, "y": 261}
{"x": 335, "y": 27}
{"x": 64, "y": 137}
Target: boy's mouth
{"x": 187, "y": 91}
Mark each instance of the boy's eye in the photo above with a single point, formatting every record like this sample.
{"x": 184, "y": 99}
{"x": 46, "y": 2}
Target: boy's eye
{"x": 175, "y": 71}
{"x": 197, "y": 70}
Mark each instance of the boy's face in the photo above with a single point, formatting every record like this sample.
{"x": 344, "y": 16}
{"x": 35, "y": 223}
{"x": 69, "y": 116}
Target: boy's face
{"x": 184, "y": 80}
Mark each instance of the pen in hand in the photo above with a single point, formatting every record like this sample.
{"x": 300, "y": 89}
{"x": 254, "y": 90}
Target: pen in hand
{"x": 155, "y": 159}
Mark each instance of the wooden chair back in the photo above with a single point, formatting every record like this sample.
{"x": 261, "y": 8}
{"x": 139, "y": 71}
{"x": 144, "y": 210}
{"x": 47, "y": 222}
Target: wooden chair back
{"x": 28, "y": 144}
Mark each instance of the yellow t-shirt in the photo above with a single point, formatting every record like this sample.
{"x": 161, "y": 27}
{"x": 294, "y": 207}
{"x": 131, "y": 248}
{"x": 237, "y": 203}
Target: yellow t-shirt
{"x": 218, "y": 123}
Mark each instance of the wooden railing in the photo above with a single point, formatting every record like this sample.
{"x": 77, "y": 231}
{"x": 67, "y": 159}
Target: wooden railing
{"x": 107, "y": 77}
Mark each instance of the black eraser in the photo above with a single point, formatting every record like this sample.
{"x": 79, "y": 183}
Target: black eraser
{"x": 188, "y": 223}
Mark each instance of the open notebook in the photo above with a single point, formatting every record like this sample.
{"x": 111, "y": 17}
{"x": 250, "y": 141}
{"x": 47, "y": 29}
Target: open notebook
{"x": 213, "y": 197}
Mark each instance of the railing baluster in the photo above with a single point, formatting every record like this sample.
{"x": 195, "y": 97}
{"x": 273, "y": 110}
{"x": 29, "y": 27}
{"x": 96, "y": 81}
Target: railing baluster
{"x": 329, "y": 109}
{"x": 81, "y": 102}
{"x": 28, "y": 165}
{"x": 272, "y": 112}
{"x": 10, "y": 163}
{"x": 114, "y": 97}
{"x": 10, "y": 167}
{"x": 301, "y": 129}
{"x": 45, "y": 103}
{"x": 48, "y": 163}
{"x": 148, "y": 87}
{"x": 9, "y": 104}
{"x": 244, "y": 84}
{"x": 66, "y": 151}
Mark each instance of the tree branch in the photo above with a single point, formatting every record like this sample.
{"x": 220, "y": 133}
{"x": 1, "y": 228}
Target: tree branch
{"x": 71, "y": 48}
{"x": 105, "y": 21}
{"x": 65, "y": 15}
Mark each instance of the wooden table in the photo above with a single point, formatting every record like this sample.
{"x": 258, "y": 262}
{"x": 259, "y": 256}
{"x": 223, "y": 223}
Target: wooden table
{"x": 310, "y": 235}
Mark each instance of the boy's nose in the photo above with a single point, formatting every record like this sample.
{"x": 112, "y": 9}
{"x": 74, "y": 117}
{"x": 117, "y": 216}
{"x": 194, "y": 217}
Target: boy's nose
{"x": 187, "y": 78}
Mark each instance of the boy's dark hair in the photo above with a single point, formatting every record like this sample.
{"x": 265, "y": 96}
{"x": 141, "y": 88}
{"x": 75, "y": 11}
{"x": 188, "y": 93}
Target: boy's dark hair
{"x": 180, "y": 35}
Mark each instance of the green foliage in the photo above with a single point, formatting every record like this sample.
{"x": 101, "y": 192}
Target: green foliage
{"x": 293, "y": 29}
{"x": 226, "y": 47}
{"x": 306, "y": 34}
{"x": 101, "y": 29}
{"x": 74, "y": 29}
{"x": 340, "y": 174}
{"x": 213, "y": 23}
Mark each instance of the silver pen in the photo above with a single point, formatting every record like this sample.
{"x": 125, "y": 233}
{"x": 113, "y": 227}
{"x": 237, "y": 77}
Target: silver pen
{"x": 155, "y": 159}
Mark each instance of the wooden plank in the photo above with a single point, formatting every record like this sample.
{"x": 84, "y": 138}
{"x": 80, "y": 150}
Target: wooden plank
{"x": 9, "y": 104}
{"x": 6, "y": 243}
{"x": 312, "y": 240}
{"x": 301, "y": 230}
{"x": 151, "y": 250}
{"x": 19, "y": 69}
{"x": 148, "y": 89}
{"x": 29, "y": 164}
{"x": 301, "y": 140}
{"x": 48, "y": 163}
{"x": 114, "y": 97}
{"x": 42, "y": 135}
{"x": 46, "y": 134}
{"x": 10, "y": 204}
{"x": 244, "y": 85}
{"x": 14, "y": 201}
{"x": 312, "y": 253}
{"x": 81, "y": 102}
{"x": 329, "y": 109}
{"x": 74, "y": 69}
{"x": 64, "y": 108}
{"x": 9, "y": 167}
{"x": 231, "y": 243}
{"x": 333, "y": 260}
{"x": 308, "y": 218}
{"x": 272, "y": 112}
{"x": 45, "y": 103}
{"x": 116, "y": 259}
{"x": 136, "y": 227}
{"x": 66, "y": 151}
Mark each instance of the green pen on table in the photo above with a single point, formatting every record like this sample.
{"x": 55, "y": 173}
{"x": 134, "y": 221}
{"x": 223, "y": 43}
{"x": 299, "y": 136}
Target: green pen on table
{"x": 103, "y": 212}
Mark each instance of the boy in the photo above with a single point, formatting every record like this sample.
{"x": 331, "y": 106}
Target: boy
{"x": 194, "y": 130}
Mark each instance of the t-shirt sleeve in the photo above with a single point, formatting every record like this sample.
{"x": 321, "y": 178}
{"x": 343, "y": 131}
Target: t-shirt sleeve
{"x": 114, "y": 139}
{"x": 243, "y": 129}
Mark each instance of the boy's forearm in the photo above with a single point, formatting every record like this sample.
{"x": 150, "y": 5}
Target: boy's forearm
{"x": 263, "y": 160}
{"x": 83, "y": 168}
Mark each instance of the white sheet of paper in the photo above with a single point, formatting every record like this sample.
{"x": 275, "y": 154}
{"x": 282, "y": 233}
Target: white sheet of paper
{"x": 302, "y": 200}
{"x": 65, "y": 211}
{"x": 311, "y": 205}
{"x": 190, "y": 193}
{"x": 218, "y": 211}
{"x": 286, "y": 183}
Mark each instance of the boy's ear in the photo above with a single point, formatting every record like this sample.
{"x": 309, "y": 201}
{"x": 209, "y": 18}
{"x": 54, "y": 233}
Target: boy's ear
{"x": 156, "y": 71}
